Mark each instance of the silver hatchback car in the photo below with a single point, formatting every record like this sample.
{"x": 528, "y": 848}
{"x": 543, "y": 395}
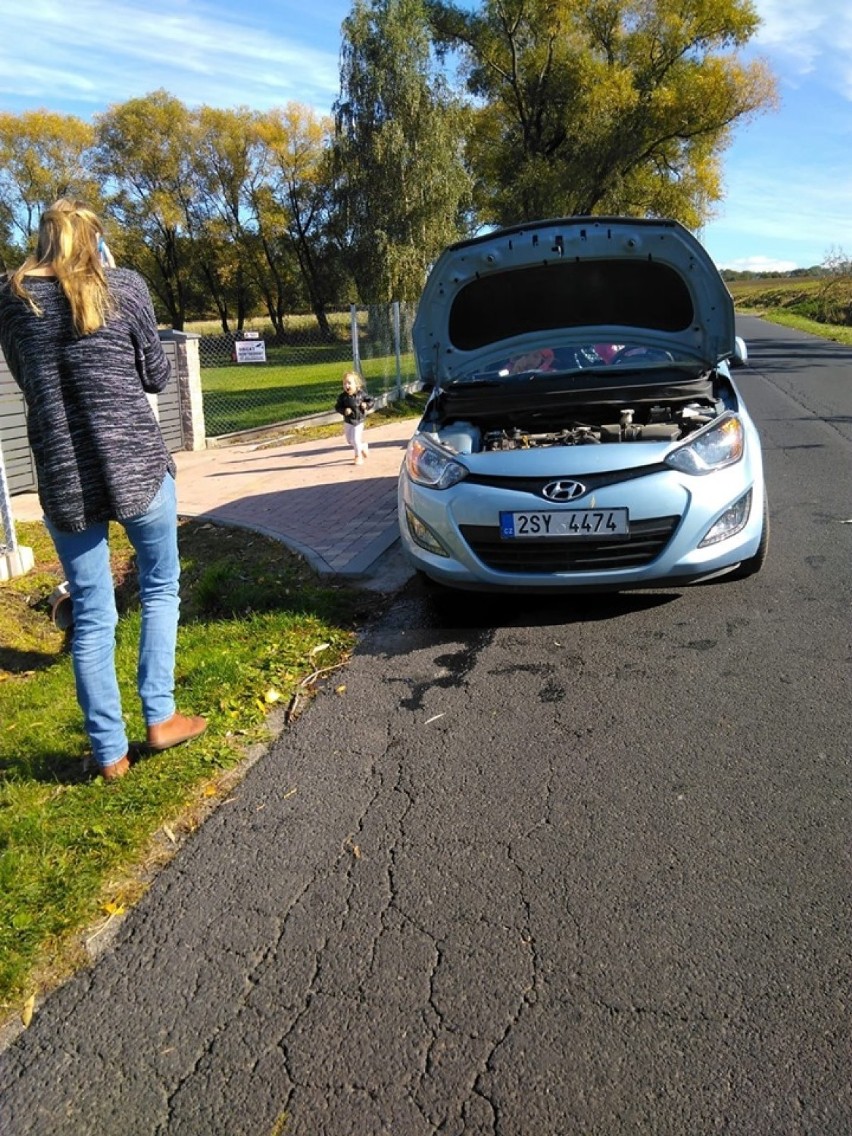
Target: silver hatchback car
{"x": 583, "y": 431}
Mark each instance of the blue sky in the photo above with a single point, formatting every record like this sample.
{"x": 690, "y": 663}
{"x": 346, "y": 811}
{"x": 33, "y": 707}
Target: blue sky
{"x": 788, "y": 173}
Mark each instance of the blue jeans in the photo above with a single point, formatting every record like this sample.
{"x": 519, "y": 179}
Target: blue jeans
{"x": 85, "y": 559}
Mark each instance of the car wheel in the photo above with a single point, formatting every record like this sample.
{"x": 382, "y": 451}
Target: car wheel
{"x": 753, "y": 565}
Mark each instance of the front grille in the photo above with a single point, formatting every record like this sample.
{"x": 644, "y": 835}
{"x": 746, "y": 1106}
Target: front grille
{"x": 592, "y": 481}
{"x": 646, "y": 541}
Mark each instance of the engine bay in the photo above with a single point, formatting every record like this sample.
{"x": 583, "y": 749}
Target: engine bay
{"x": 496, "y": 413}
{"x": 657, "y": 422}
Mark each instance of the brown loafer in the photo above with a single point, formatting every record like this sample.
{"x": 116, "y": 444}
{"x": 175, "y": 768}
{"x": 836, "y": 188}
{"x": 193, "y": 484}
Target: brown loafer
{"x": 175, "y": 730}
{"x": 117, "y": 769}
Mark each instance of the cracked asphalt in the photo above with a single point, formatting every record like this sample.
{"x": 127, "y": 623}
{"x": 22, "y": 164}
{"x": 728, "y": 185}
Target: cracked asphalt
{"x": 545, "y": 867}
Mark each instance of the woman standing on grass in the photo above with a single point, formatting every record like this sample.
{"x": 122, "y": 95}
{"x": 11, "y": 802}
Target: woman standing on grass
{"x": 81, "y": 342}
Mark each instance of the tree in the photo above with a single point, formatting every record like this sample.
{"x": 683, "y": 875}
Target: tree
{"x": 231, "y": 163}
{"x": 298, "y": 143}
{"x": 253, "y": 169}
{"x": 834, "y": 296}
{"x": 603, "y": 106}
{"x": 145, "y": 158}
{"x": 400, "y": 184}
{"x": 43, "y": 156}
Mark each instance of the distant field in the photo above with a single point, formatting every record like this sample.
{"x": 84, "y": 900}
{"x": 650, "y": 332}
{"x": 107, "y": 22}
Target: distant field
{"x": 301, "y": 326}
{"x": 818, "y": 305}
{"x": 779, "y": 290}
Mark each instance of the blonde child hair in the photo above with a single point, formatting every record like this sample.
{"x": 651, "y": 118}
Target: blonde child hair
{"x": 68, "y": 237}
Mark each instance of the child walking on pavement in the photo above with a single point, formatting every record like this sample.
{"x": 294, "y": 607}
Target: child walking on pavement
{"x": 353, "y": 402}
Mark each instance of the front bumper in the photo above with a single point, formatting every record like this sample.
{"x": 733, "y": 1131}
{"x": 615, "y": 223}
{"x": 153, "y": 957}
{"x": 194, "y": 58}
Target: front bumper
{"x": 670, "y": 514}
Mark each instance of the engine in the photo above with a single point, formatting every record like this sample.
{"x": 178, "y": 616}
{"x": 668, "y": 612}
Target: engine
{"x": 656, "y": 423}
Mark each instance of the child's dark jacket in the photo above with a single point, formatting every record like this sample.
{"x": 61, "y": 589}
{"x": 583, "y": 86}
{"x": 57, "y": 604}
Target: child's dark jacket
{"x": 359, "y": 403}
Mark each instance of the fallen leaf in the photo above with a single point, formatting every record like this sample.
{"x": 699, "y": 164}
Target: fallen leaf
{"x": 170, "y": 834}
{"x": 319, "y": 647}
{"x": 272, "y": 695}
{"x": 27, "y": 1010}
{"x": 210, "y": 791}
{"x": 114, "y": 908}
{"x": 340, "y": 689}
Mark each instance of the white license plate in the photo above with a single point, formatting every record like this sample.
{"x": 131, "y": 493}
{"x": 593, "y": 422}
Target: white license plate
{"x": 583, "y": 524}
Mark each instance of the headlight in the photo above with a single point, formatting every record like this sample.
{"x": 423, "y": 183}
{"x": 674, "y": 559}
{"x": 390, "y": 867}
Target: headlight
{"x": 426, "y": 464}
{"x": 717, "y": 445}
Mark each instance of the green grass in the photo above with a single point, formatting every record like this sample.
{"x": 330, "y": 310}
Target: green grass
{"x": 835, "y": 332}
{"x": 251, "y": 395}
{"x": 256, "y": 625}
{"x": 300, "y": 377}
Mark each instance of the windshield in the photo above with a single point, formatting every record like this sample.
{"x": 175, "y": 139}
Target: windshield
{"x": 561, "y": 360}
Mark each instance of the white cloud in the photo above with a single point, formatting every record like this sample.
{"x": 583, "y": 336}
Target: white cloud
{"x": 803, "y": 38}
{"x": 110, "y": 52}
{"x": 759, "y": 264}
{"x": 791, "y": 28}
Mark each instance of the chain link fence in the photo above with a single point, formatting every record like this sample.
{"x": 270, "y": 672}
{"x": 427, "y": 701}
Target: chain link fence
{"x": 259, "y": 379}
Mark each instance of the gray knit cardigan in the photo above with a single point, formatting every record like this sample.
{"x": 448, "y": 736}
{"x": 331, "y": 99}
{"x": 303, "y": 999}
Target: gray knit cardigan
{"x": 98, "y": 450}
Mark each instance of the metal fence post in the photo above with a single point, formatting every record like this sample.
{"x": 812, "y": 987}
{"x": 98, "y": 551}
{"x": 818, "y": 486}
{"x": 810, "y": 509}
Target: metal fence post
{"x": 356, "y": 348}
{"x": 396, "y": 349}
{"x": 15, "y": 560}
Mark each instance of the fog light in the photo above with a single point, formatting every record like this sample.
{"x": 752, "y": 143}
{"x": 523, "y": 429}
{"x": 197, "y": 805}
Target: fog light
{"x": 730, "y": 522}
{"x": 421, "y": 534}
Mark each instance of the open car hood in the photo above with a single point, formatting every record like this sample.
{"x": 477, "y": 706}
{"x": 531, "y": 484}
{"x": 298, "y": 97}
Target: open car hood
{"x": 566, "y": 283}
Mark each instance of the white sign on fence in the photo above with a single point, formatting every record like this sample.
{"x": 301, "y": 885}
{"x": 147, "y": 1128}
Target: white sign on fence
{"x": 250, "y": 351}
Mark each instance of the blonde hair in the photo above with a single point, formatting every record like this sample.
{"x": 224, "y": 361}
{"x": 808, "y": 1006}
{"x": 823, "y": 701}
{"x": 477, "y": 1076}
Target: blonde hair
{"x": 68, "y": 235}
{"x": 354, "y": 376}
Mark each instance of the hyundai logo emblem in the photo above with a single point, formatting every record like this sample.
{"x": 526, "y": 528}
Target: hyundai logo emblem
{"x": 563, "y": 490}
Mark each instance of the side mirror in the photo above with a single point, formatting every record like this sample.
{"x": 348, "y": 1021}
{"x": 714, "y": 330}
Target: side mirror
{"x": 740, "y": 355}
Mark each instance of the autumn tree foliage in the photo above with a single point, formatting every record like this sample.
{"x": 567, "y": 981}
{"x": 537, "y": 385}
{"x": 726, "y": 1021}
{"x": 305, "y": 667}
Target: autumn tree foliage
{"x": 603, "y": 106}
{"x": 144, "y": 156}
{"x": 297, "y": 142}
{"x": 43, "y": 156}
{"x": 220, "y": 208}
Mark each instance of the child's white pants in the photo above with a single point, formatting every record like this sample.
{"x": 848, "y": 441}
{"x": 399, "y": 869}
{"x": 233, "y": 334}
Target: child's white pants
{"x": 354, "y": 432}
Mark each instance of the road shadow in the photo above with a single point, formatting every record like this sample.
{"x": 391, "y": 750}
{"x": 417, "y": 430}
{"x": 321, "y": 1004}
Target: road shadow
{"x": 442, "y": 610}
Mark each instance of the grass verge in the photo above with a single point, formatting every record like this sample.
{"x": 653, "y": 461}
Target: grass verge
{"x": 795, "y": 302}
{"x": 785, "y": 318}
{"x": 258, "y": 630}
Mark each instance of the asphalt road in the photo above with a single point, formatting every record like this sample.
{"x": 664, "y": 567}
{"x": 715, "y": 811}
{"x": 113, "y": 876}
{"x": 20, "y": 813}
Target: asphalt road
{"x": 545, "y": 867}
